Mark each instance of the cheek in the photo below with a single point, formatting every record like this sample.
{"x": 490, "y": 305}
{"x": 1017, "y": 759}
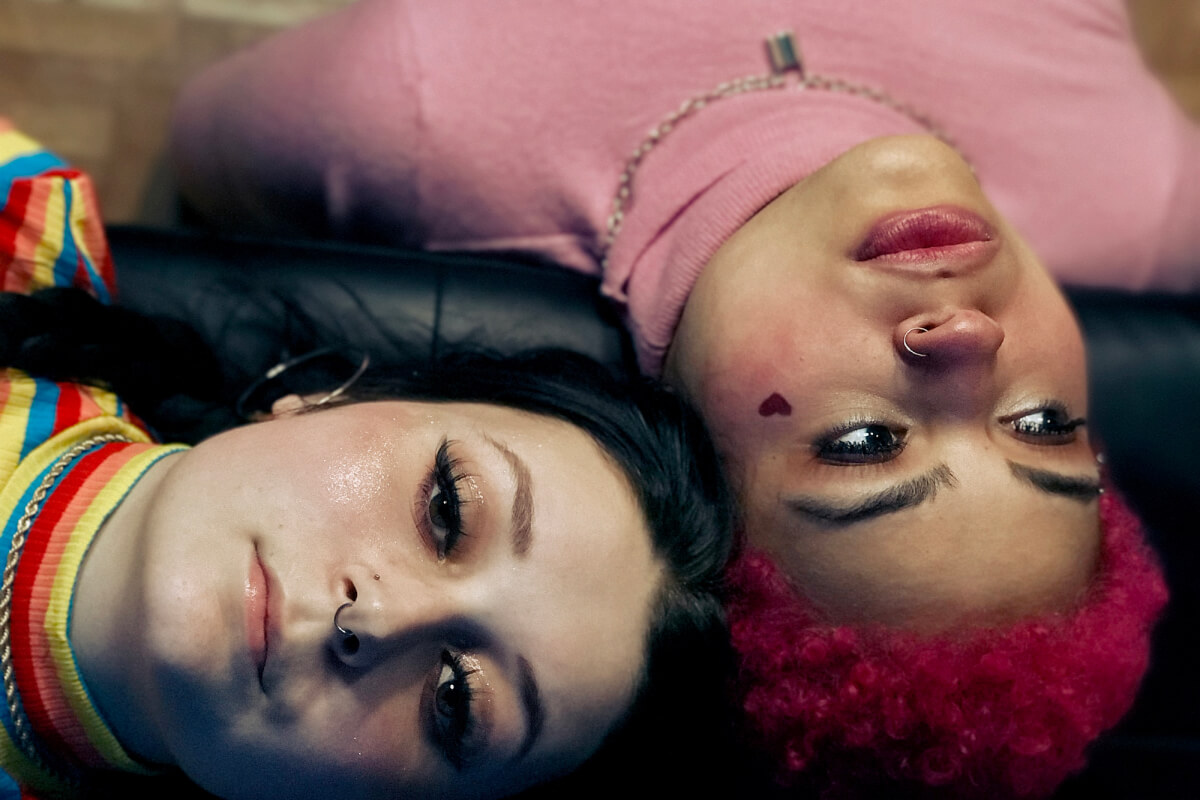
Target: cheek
{"x": 354, "y": 481}
{"x": 755, "y": 384}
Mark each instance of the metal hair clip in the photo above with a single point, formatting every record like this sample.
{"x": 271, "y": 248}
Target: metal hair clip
{"x": 272, "y": 374}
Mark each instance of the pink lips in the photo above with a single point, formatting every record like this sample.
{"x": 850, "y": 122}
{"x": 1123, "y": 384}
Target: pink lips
{"x": 928, "y": 236}
{"x": 257, "y": 613}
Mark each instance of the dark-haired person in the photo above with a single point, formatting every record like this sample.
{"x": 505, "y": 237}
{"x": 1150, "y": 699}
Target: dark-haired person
{"x": 458, "y": 585}
{"x": 847, "y": 257}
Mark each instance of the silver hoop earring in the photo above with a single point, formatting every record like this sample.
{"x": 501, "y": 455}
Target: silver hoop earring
{"x": 261, "y": 388}
{"x": 349, "y": 640}
{"x": 908, "y": 347}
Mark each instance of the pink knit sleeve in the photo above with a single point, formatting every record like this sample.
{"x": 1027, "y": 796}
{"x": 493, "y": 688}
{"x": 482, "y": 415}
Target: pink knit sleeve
{"x": 1179, "y": 259}
{"x": 289, "y": 135}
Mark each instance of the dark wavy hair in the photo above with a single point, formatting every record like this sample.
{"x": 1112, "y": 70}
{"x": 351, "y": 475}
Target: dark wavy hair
{"x": 678, "y": 723}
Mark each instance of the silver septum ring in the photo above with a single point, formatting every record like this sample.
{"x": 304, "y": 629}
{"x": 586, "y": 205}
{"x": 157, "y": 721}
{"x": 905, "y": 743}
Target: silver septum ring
{"x": 908, "y": 347}
{"x": 343, "y": 631}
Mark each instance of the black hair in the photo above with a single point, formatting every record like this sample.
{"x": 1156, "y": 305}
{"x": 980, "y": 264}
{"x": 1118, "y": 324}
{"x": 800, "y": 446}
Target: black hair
{"x": 678, "y": 729}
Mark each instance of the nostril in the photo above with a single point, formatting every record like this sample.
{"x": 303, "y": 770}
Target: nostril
{"x": 350, "y": 590}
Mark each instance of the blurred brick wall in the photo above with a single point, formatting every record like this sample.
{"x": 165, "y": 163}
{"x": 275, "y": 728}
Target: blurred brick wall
{"x": 94, "y": 79}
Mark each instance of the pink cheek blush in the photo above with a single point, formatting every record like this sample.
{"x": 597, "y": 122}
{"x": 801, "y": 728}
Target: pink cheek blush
{"x": 775, "y": 404}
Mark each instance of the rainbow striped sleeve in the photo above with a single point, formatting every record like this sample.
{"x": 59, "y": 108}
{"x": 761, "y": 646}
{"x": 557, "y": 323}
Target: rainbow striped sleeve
{"x": 51, "y": 232}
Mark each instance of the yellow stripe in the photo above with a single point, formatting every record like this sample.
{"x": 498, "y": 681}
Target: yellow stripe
{"x": 51, "y": 245}
{"x": 59, "y": 610}
{"x": 80, "y": 220}
{"x": 48, "y": 452}
{"x": 34, "y": 464}
{"x": 14, "y": 144}
{"x": 103, "y": 398}
{"x": 14, "y": 418}
{"x": 26, "y": 773}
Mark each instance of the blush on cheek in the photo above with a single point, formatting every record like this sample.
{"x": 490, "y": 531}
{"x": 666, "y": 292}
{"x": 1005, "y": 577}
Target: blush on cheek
{"x": 775, "y": 404}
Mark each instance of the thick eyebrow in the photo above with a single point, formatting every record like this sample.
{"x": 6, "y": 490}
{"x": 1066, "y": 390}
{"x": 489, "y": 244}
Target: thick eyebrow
{"x": 895, "y": 498}
{"x": 531, "y": 701}
{"x": 1077, "y": 487}
{"x": 522, "y": 507}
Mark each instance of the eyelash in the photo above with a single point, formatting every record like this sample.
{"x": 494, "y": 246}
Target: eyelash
{"x": 1049, "y": 431}
{"x": 831, "y": 448}
{"x": 441, "y": 488}
{"x": 456, "y": 728}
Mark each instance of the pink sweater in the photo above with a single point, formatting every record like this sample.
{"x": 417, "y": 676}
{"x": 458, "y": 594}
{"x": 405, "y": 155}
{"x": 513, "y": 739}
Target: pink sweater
{"x": 505, "y": 124}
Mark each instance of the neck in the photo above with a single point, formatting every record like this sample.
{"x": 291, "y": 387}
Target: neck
{"x": 107, "y": 621}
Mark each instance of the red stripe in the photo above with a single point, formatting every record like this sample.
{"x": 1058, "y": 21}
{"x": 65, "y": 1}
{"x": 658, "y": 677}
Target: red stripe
{"x": 23, "y": 274}
{"x": 70, "y": 173}
{"x": 25, "y": 641}
{"x": 12, "y": 219}
{"x": 67, "y": 412}
{"x": 81, "y": 279}
{"x": 94, "y": 236}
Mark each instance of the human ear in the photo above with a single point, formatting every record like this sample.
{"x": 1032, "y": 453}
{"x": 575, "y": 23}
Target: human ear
{"x": 287, "y": 405}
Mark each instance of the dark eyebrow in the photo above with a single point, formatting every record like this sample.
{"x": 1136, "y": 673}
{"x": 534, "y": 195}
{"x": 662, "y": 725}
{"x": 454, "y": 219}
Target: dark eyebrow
{"x": 531, "y": 701}
{"x": 1077, "y": 487}
{"x": 522, "y": 507}
{"x": 895, "y": 498}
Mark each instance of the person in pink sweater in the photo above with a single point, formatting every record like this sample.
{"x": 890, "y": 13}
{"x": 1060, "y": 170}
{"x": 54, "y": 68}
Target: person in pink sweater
{"x": 848, "y": 257}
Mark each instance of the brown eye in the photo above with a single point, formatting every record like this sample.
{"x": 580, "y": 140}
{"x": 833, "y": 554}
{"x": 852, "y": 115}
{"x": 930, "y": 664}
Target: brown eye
{"x": 1045, "y": 426}
{"x": 443, "y": 513}
{"x": 861, "y": 444}
{"x": 444, "y": 510}
{"x": 453, "y": 718}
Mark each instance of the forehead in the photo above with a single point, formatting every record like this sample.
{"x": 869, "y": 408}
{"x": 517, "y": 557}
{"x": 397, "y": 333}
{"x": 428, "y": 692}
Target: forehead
{"x": 582, "y": 595}
{"x": 988, "y": 548}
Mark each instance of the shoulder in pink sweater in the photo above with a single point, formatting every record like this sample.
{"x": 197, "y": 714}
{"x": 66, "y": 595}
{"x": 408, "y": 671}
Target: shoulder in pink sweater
{"x": 505, "y": 125}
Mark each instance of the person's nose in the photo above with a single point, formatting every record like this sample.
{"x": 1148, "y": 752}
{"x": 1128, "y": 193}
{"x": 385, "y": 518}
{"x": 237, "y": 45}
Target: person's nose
{"x": 382, "y": 614}
{"x": 950, "y": 360}
{"x": 961, "y": 337}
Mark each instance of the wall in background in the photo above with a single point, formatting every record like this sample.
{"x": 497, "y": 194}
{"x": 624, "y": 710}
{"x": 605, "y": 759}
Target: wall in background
{"x": 95, "y": 79}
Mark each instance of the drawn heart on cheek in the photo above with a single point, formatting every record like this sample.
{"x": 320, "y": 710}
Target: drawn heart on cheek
{"x": 775, "y": 404}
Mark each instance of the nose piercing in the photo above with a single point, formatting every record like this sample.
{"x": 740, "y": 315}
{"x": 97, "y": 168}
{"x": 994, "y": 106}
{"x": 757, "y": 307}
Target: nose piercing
{"x": 349, "y": 640}
{"x": 907, "y": 347}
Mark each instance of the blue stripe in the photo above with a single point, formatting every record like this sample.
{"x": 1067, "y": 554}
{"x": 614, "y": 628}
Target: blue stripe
{"x": 68, "y": 256}
{"x": 26, "y": 167}
{"x": 8, "y": 788}
{"x": 6, "y": 537}
{"x": 42, "y": 411}
{"x": 96, "y": 282}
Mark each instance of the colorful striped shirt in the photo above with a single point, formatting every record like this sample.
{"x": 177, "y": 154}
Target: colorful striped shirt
{"x": 51, "y": 234}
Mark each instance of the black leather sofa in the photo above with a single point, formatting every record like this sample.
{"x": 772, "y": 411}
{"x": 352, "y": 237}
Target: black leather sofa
{"x": 257, "y": 301}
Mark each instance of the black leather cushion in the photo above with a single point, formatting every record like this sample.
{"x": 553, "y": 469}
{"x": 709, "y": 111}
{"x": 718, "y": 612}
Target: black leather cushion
{"x": 258, "y": 301}
{"x": 1144, "y": 358}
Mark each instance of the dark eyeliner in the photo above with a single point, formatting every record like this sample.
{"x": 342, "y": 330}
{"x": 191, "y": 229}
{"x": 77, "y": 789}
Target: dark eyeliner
{"x": 1049, "y": 431}
{"x": 829, "y": 448}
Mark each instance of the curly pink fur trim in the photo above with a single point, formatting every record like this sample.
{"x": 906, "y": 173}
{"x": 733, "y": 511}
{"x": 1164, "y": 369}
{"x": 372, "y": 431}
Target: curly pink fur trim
{"x": 1006, "y": 711}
